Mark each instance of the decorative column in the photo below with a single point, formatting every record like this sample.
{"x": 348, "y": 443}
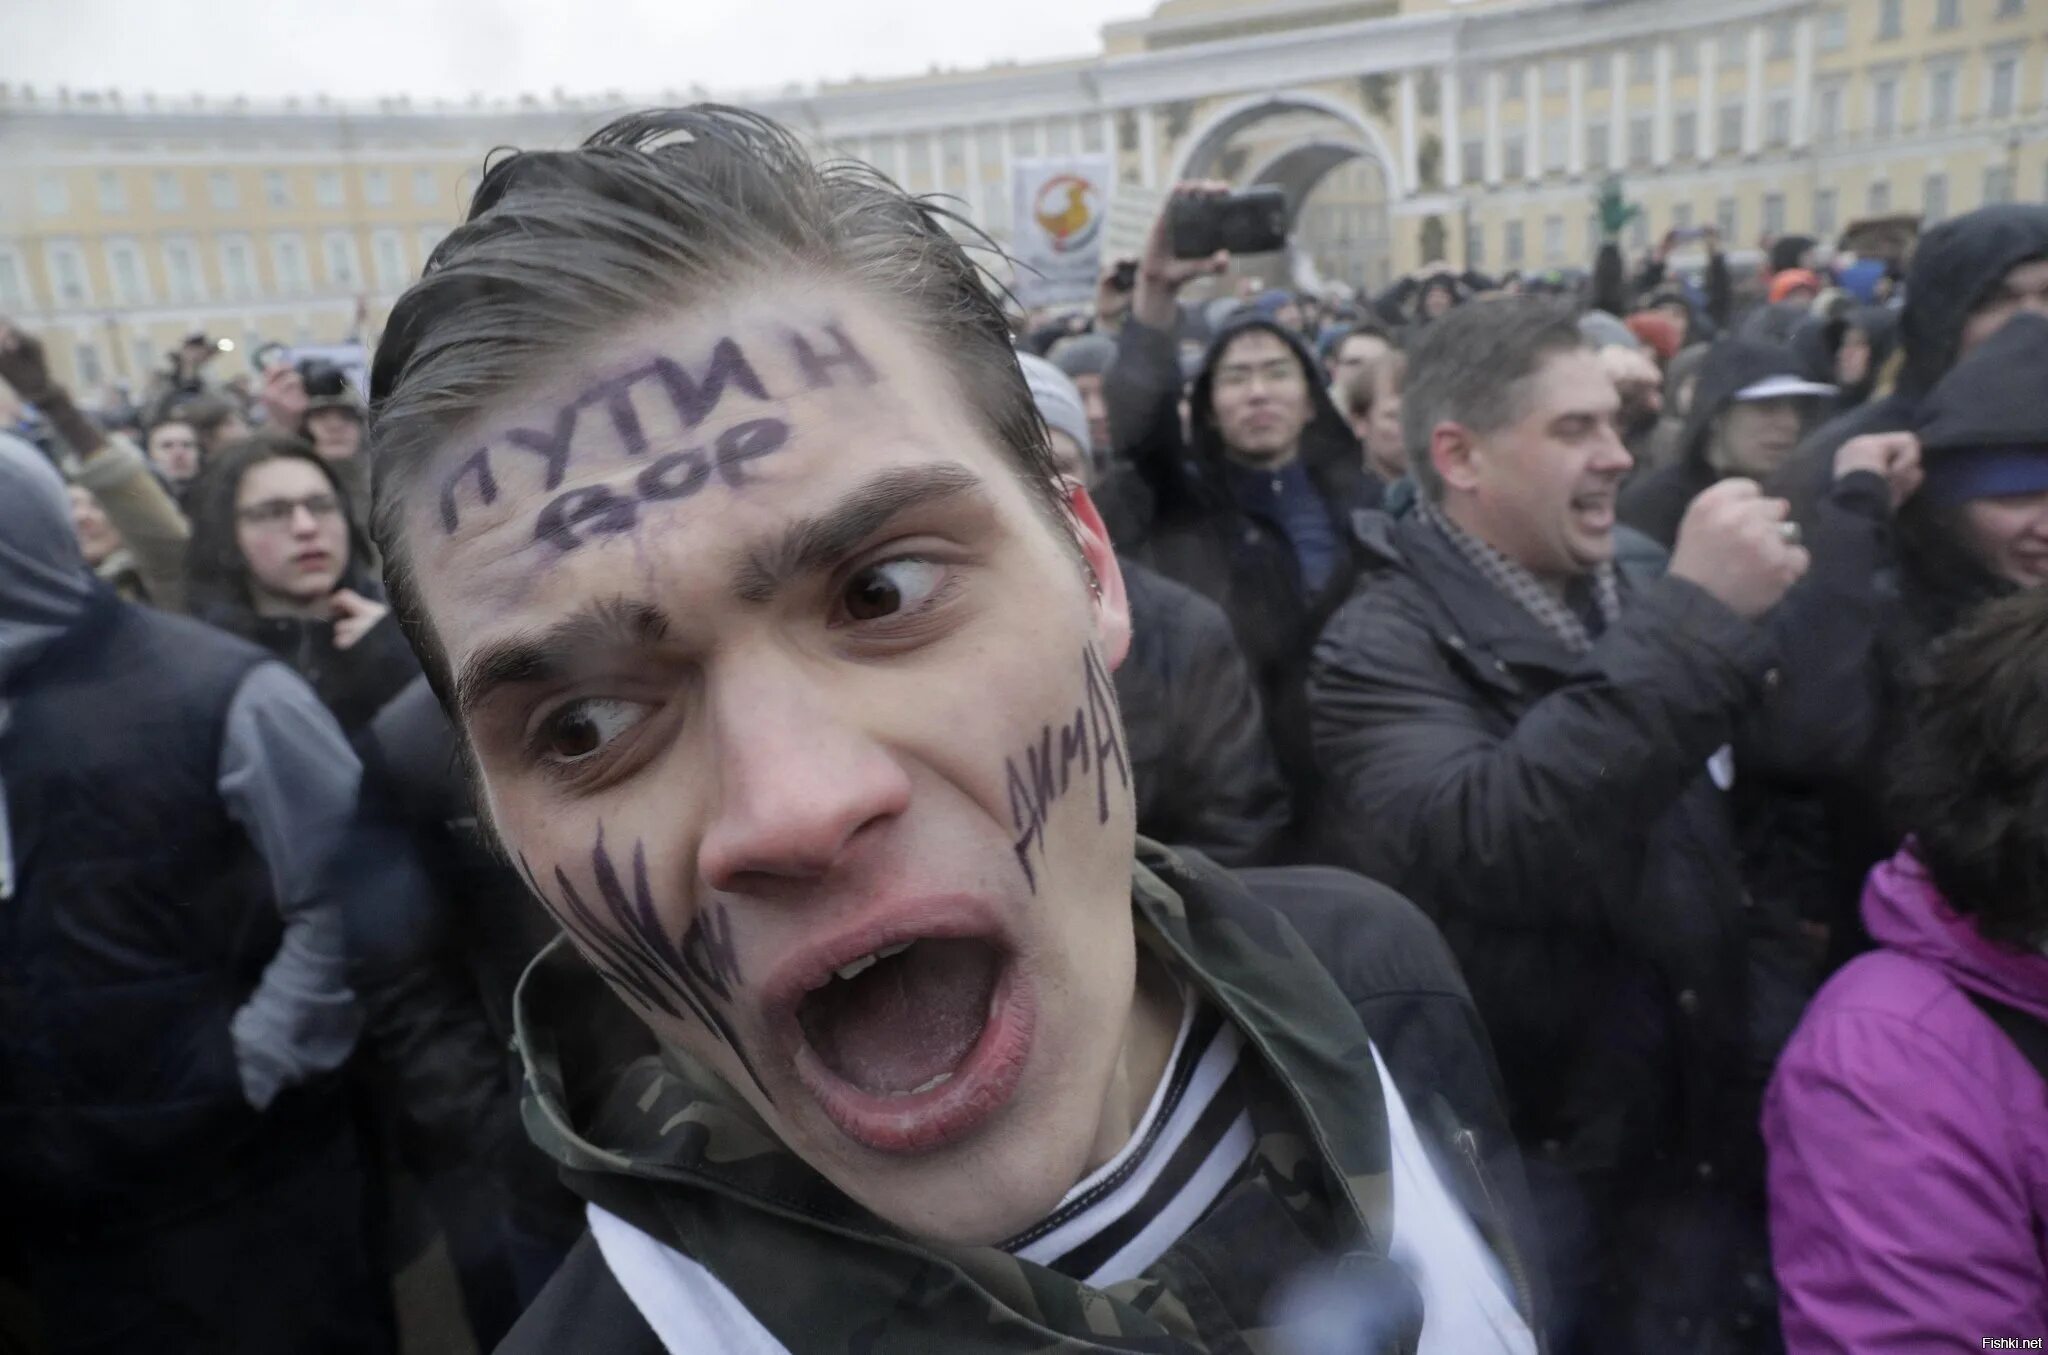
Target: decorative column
{"x": 1450, "y": 110}
{"x": 1493, "y": 147}
{"x": 1532, "y": 122}
{"x": 1660, "y": 126}
{"x": 1753, "y": 95}
{"x": 1710, "y": 93}
{"x": 1802, "y": 81}
{"x": 1411, "y": 175}
{"x": 1575, "y": 149}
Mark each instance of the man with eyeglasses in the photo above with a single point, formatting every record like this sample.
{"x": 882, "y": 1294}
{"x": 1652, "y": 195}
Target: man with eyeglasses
{"x": 174, "y": 1001}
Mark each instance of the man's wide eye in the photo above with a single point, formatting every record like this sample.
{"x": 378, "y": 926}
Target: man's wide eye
{"x": 583, "y": 729}
{"x": 890, "y": 587}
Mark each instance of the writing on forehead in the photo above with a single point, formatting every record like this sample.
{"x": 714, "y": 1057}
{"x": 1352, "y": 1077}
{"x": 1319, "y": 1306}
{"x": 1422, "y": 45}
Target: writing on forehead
{"x": 684, "y": 393}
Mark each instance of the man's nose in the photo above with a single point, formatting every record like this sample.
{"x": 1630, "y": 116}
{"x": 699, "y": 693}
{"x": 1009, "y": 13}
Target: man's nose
{"x": 1612, "y": 456}
{"x": 303, "y": 521}
{"x": 798, "y": 782}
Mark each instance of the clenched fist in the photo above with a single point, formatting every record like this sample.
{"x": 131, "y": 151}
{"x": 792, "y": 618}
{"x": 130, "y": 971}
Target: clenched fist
{"x": 1895, "y": 456}
{"x": 1736, "y": 544}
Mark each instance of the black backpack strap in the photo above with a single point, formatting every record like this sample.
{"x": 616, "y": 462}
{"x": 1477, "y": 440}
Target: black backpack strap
{"x": 2027, "y": 1031}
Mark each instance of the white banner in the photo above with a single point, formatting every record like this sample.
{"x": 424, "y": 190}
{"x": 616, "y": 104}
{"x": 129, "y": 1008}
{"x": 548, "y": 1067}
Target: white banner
{"x": 1059, "y": 206}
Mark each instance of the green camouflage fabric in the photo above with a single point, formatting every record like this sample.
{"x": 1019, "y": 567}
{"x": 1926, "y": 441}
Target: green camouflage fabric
{"x": 656, "y": 1138}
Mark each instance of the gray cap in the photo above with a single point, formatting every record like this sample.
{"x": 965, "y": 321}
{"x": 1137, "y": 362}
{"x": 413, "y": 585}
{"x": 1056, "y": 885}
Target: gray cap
{"x": 1058, "y": 400}
{"x": 1602, "y": 329}
{"x": 1084, "y": 354}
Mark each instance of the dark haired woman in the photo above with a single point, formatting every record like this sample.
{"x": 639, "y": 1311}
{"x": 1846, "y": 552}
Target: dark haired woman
{"x": 274, "y": 558}
{"x": 1908, "y": 1120}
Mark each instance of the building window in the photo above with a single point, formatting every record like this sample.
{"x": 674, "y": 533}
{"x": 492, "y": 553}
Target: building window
{"x": 1024, "y": 138}
{"x": 221, "y": 190}
{"x": 1685, "y": 58}
{"x": 1681, "y": 216}
{"x": 1685, "y": 135}
{"x": 1473, "y": 152}
{"x": 275, "y": 191}
{"x": 1514, "y": 160}
{"x": 2005, "y": 81}
{"x": 1731, "y": 47}
{"x": 1884, "y": 105}
{"x": 389, "y": 252}
{"x": 1557, "y": 140}
{"x": 425, "y": 192}
{"x": 168, "y": 190}
{"x": 1555, "y": 79}
{"x": 327, "y": 188}
{"x": 1934, "y": 197}
{"x": 1879, "y": 199}
{"x": 1641, "y": 139}
{"x": 89, "y": 373}
{"x": 1553, "y": 239}
{"x": 13, "y": 284}
{"x": 1891, "y": 20}
{"x": 53, "y": 195}
{"x": 1641, "y": 66}
{"x": 288, "y": 260}
{"x": 1092, "y": 139}
{"x": 1941, "y": 97}
{"x": 1599, "y": 71}
{"x": 1512, "y": 86}
{"x": 338, "y": 249}
{"x": 1472, "y": 92}
{"x": 1834, "y": 30}
{"x": 377, "y": 187}
{"x": 1475, "y": 246}
{"x": 124, "y": 270}
{"x": 1781, "y": 40}
{"x": 181, "y": 271}
{"x": 1774, "y": 213}
{"x": 988, "y": 146}
{"x": 2011, "y": 9}
{"x": 1596, "y": 147}
{"x": 1728, "y": 219}
{"x": 237, "y": 269}
{"x": 67, "y": 276}
{"x": 1827, "y": 114}
{"x": 113, "y": 193}
{"x": 1511, "y": 245}
{"x": 1997, "y": 185}
{"x": 1729, "y": 133}
{"x": 1948, "y": 14}
{"x": 465, "y": 189}
{"x": 1778, "y": 123}
{"x": 1824, "y": 211}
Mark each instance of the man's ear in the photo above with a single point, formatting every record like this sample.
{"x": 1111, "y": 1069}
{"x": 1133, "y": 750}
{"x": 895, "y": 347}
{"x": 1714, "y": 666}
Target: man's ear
{"x": 1106, "y": 577}
{"x": 1455, "y": 454}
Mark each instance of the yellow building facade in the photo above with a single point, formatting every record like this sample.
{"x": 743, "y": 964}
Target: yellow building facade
{"x": 1403, "y": 130}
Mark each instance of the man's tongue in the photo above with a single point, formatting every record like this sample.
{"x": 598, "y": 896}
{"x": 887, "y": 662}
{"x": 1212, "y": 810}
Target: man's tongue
{"x": 904, "y": 1021}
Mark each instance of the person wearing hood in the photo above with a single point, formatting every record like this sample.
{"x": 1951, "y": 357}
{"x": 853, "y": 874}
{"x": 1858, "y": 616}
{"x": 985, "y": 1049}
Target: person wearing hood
{"x": 1202, "y": 767}
{"x": 173, "y": 992}
{"x": 1749, "y": 409}
{"x": 1252, "y": 510}
{"x": 1848, "y": 351}
{"x": 1906, "y": 1129}
{"x": 277, "y": 558}
{"x": 1968, "y": 276}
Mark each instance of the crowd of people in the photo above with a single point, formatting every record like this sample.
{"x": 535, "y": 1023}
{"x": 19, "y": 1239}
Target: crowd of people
{"x": 784, "y": 804}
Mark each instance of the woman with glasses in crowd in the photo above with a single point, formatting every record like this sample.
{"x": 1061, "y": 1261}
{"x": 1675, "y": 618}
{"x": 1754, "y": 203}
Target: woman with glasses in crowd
{"x": 274, "y": 558}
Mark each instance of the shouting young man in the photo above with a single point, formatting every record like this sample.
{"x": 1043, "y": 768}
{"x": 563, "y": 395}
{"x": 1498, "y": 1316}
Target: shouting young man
{"x": 718, "y": 509}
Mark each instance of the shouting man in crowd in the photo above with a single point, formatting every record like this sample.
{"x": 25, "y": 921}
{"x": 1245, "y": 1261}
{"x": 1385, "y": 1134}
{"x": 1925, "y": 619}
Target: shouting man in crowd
{"x": 719, "y": 510}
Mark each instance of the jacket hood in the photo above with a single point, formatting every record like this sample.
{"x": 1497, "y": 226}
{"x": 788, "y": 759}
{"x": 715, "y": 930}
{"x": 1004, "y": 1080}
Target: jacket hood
{"x": 1326, "y": 439}
{"x": 1955, "y": 266}
{"x": 1730, "y": 367}
{"x": 45, "y": 587}
{"x": 1906, "y": 913}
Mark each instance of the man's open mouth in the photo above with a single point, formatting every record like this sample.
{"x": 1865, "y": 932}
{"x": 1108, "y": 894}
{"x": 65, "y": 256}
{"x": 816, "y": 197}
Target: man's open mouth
{"x": 916, "y": 1043}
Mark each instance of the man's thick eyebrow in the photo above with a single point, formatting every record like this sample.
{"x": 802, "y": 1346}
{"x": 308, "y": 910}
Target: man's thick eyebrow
{"x": 549, "y": 654}
{"x": 812, "y": 544}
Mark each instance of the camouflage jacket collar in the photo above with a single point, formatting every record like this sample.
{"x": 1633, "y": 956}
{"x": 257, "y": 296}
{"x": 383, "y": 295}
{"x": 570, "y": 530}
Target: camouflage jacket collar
{"x": 651, "y": 1135}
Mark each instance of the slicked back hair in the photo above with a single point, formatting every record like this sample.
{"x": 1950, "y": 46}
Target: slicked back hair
{"x": 1468, "y": 367}
{"x": 1970, "y": 780}
{"x": 659, "y": 210}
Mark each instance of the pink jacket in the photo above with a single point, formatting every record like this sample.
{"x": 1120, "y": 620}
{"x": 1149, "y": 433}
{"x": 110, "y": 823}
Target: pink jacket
{"x": 1908, "y": 1142}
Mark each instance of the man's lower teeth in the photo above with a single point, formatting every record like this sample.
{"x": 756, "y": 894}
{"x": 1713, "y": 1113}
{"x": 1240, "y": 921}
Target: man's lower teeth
{"x": 941, "y": 1080}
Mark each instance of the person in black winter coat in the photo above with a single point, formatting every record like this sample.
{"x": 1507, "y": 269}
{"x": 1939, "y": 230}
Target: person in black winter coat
{"x": 1202, "y": 769}
{"x": 275, "y": 558}
{"x": 1968, "y": 276}
{"x": 1748, "y": 411}
{"x": 1251, "y": 510}
{"x": 1529, "y": 724}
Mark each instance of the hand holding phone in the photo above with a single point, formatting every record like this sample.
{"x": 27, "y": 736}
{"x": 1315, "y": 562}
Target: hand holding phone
{"x": 1251, "y": 222}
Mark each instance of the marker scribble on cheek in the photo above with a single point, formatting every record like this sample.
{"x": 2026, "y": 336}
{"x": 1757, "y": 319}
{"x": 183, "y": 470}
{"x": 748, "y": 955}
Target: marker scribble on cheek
{"x": 1090, "y": 741}
{"x": 691, "y": 978}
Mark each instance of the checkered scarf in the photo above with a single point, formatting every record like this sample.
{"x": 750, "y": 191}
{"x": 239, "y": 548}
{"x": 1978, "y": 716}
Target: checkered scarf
{"x": 1519, "y": 584}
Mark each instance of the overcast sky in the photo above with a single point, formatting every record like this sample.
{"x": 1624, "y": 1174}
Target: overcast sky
{"x": 271, "y": 48}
